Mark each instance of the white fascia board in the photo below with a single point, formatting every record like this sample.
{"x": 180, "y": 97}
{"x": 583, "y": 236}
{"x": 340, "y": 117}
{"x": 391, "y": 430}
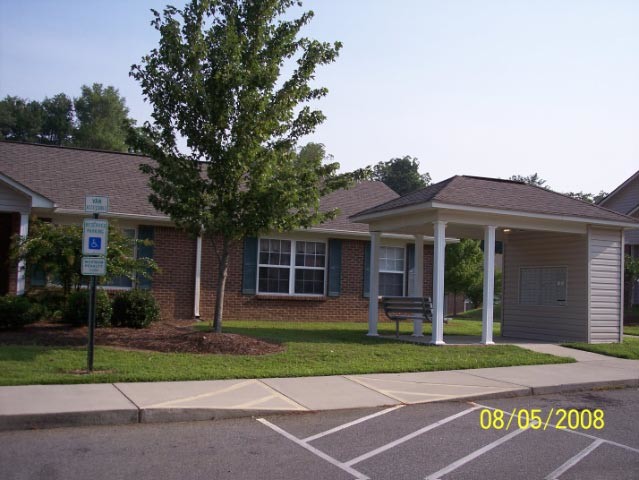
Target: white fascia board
{"x": 123, "y": 216}
{"x": 37, "y": 200}
{"x": 539, "y": 216}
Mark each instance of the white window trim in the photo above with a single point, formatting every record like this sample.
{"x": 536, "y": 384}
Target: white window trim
{"x": 404, "y": 269}
{"x": 291, "y": 267}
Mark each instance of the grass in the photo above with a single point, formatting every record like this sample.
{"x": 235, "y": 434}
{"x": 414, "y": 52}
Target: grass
{"x": 629, "y": 348}
{"x": 311, "y": 349}
{"x": 475, "y": 314}
{"x": 631, "y": 329}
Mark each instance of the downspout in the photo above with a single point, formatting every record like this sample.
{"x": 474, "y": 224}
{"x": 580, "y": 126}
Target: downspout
{"x": 198, "y": 272}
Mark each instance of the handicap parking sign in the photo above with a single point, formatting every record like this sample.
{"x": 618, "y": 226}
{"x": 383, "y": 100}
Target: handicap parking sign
{"x": 95, "y": 243}
{"x": 95, "y": 236}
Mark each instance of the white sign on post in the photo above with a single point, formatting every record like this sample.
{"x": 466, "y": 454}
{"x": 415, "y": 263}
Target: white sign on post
{"x": 96, "y": 204}
{"x": 94, "y": 266}
{"x": 94, "y": 237}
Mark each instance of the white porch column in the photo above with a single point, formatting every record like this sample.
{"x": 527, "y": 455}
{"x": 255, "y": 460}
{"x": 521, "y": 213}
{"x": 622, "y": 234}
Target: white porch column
{"x": 24, "y": 231}
{"x": 373, "y": 290}
{"x": 198, "y": 274}
{"x": 489, "y": 285}
{"x": 418, "y": 279}
{"x": 438, "y": 283}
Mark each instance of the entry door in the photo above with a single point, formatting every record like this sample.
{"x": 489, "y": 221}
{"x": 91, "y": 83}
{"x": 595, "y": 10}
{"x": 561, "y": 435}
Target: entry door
{"x": 5, "y": 243}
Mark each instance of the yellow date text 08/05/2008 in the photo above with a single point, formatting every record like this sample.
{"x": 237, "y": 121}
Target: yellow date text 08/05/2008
{"x": 536, "y": 419}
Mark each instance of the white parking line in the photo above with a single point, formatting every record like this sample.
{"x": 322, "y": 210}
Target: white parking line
{"x": 350, "y": 424}
{"x": 410, "y": 436}
{"x": 312, "y": 449}
{"x": 574, "y": 460}
{"x": 473, "y": 455}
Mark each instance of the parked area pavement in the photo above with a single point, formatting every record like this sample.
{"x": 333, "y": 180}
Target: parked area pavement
{"x": 446, "y": 440}
{"x": 44, "y": 406}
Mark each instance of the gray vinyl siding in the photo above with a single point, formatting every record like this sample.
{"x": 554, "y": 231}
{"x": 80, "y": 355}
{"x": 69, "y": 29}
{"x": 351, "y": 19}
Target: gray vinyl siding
{"x": 12, "y": 201}
{"x": 605, "y": 251}
{"x": 631, "y": 237}
{"x": 568, "y": 322}
{"x": 625, "y": 200}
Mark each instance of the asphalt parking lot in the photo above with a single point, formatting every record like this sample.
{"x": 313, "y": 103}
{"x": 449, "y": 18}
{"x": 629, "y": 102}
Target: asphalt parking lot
{"x": 429, "y": 441}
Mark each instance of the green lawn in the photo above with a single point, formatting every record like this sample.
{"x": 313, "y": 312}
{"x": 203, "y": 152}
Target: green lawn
{"x": 475, "y": 314}
{"x": 311, "y": 349}
{"x": 629, "y": 348}
{"x": 631, "y": 329}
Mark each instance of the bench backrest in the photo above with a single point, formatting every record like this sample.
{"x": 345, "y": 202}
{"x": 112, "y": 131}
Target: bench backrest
{"x": 397, "y": 308}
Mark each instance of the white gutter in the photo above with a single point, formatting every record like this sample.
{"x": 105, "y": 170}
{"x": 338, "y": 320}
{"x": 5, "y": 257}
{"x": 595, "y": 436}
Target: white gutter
{"x": 198, "y": 272}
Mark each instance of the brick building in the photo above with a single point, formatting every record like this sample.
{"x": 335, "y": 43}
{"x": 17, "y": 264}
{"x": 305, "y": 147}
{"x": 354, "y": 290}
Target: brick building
{"x": 316, "y": 274}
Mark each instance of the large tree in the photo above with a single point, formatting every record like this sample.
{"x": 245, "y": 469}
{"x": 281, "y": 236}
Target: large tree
{"x": 463, "y": 268}
{"x": 233, "y": 78}
{"x": 102, "y": 118}
{"x": 532, "y": 179}
{"x": 20, "y": 119}
{"x": 57, "y": 122}
{"x": 401, "y": 174}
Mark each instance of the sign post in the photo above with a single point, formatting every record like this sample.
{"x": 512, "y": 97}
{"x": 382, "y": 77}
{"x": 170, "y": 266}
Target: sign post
{"x": 95, "y": 236}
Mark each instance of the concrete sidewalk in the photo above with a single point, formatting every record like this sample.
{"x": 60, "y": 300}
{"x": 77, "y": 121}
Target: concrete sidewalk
{"x": 44, "y": 406}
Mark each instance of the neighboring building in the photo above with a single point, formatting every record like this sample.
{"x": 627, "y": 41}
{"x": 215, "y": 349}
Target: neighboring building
{"x": 316, "y": 274}
{"x": 625, "y": 199}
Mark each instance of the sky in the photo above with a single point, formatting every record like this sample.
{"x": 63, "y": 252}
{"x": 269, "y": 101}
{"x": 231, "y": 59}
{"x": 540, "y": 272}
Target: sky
{"x": 486, "y": 87}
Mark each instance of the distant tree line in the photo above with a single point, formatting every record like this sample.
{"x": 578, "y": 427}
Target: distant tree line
{"x": 98, "y": 118}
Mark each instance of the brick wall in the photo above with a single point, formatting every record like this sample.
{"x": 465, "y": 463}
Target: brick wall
{"x": 173, "y": 287}
{"x": 351, "y": 305}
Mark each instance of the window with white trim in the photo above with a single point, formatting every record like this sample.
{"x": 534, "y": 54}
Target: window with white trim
{"x": 542, "y": 286}
{"x": 291, "y": 267}
{"x": 392, "y": 268}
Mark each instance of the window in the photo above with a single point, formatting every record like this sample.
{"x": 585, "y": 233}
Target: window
{"x": 291, "y": 267}
{"x": 123, "y": 281}
{"x": 392, "y": 267}
{"x": 542, "y": 286}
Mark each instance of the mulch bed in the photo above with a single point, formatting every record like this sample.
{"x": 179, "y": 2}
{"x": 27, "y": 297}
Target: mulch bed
{"x": 159, "y": 337}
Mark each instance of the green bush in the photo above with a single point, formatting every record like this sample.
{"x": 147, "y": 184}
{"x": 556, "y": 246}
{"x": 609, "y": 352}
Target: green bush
{"x": 16, "y": 312}
{"x": 135, "y": 309}
{"x": 77, "y": 308}
{"x": 52, "y": 301}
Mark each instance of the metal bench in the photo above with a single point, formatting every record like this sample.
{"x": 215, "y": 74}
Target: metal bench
{"x": 407, "y": 308}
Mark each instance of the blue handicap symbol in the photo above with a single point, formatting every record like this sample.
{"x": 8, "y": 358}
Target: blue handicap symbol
{"x": 95, "y": 243}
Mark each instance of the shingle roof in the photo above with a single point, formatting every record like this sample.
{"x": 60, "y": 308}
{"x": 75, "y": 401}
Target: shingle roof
{"x": 66, "y": 175}
{"x": 363, "y": 195}
{"x": 493, "y": 193}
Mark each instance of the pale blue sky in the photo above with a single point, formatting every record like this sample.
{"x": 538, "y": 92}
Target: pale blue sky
{"x": 469, "y": 87}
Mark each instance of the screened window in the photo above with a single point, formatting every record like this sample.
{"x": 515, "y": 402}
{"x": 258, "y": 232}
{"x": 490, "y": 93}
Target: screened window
{"x": 392, "y": 267}
{"x": 291, "y": 267}
{"x": 542, "y": 286}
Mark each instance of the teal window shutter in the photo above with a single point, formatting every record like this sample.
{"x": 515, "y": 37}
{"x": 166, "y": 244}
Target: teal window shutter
{"x": 367, "y": 269}
{"x": 249, "y": 270}
{"x": 334, "y": 267}
{"x": 410, "y": 267}
{"x": 145, "y": 251}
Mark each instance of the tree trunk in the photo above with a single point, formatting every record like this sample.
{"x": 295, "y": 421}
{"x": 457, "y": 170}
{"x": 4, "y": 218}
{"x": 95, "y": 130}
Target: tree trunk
{"x": 223, "y": 267}
{"x": 454, "y": 304}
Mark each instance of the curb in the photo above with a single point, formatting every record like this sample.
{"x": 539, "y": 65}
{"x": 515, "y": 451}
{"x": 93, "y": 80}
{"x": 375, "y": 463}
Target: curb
{"x": 138, "y": 415}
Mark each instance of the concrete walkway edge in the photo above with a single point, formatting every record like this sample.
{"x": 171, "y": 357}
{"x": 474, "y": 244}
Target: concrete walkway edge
{"x": 48, "y": 406}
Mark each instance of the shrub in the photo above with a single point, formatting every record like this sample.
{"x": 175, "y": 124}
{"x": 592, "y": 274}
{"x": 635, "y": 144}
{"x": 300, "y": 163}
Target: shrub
{"x": 16, "y": 312}
{"x": 52, "y": 301}
{"x": 77, "y": 308}
{"x": 135, "y": 309}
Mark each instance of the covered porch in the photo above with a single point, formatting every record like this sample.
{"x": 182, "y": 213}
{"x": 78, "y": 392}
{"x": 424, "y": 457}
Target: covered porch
{"x": 562, "y": 265}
